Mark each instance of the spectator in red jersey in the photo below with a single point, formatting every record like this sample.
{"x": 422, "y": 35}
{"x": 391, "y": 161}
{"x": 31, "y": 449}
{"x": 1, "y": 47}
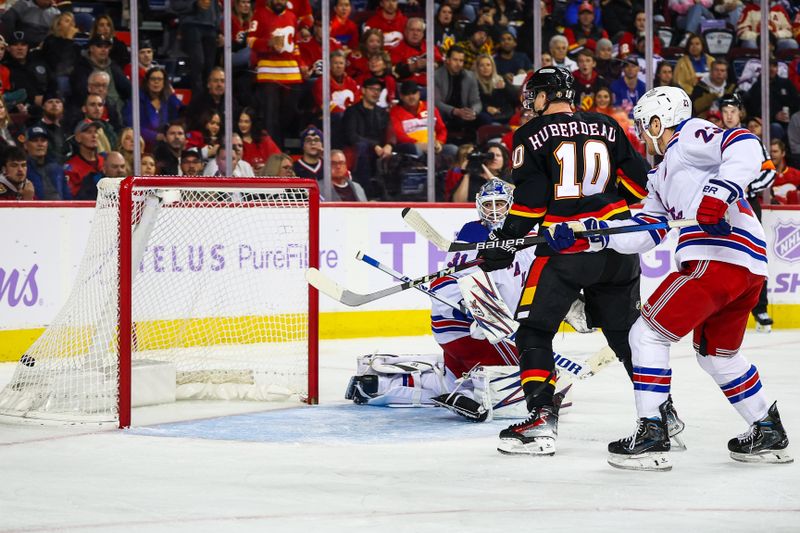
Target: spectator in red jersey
{"x": 629, "y": 38}
{"x": 14, "y": 182}
{"x": 310, "y": 163}
{"x": 587, "y": 80}
{"x": 409, "y": 123}
{"x": 343, "y": 29}
{"x": 5, "y": 74}
{"x": 344, "y": 93}
{"x": 258, "y": 145}
{"x": 146, "y": 60}
{"x": 585, "y": 32}
{"x": 390, "y": 21}
{"x": 410, "y": 57}
{"x": 357, "y": 62}
{"x": 787, "y": 179}
{"x": 279, "y": 69}
{"x": 86, "y": 164}
{"x": 208, "y": 138}
{"x": 311, "y": 50}
{"x": 525, "y": 116}
{"x": 380, "y": 66}
{"x": 305, "y": 16}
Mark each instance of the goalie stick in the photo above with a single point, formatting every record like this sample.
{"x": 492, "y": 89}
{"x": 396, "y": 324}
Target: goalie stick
{"x": 416, "y": 221}
{"x": 324, "y": 284}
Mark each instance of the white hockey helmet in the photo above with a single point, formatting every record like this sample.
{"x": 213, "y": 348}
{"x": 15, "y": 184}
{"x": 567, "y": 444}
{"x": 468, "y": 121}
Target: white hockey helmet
{"x": 670, "y": 104}
{"x": 494, "y": 202}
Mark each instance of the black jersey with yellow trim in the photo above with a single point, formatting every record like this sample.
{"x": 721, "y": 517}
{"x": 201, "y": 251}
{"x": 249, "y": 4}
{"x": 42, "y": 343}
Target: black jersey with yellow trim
{"x": 568, "y": 166}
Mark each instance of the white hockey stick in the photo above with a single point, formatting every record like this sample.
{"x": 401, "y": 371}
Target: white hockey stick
{"x": 418, "y": 223}
{"x": 327, "y": 286}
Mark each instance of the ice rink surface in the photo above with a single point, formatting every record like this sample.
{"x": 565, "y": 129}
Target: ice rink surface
{"x": 341, "y": 467}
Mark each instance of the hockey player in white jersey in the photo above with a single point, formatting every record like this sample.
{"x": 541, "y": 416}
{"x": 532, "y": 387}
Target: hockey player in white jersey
{"x": 435, "y": 380}
{"x": 722, "y": 265}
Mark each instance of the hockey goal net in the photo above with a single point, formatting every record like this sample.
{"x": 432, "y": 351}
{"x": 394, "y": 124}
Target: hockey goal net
{"x": 190, "y": 288}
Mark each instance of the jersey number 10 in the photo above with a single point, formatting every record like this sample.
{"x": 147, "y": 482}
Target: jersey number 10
{"x": 595, "y": 173}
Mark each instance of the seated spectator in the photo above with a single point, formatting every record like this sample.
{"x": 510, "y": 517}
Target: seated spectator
{"x": 558, "y": 50}
{"x": 457, "y": 171}
{"x": 211, "y": 98}
{"x": 617, "y": 17}
{"x": 748, "y": 28}
{"x": 61, "y": 52}
{"x": 344, "y": 91}
{"x": 8, "y": 131}
{"x": 358, "y": 61}
{"x": 585, "y": 33}
{"x": 366, "y": 129}
{"x": 587, "y": 80}
{"x": 34, "y": 17}
{"x": 158, "y": 105}
{"x": 497, "y": 99}
{"x": 27, "y": 72}
{"x": 476, "y": 173}
{"x": 640, "y": 52}
{"x": 98, "y": 83}
{"x": 241, "y": 169}
{"x": 603, "y": 102}
{"x": 410, "y": 56}
{"x": 571, "y": 13}
{"x": 85, "y": 168}
{"x": 629, "y": 88}
{"x": 478, "y": 43}
{"x": 125, "y": 146}
{"x": 714, "y": 116}
{"x": 493, "y": 16}
{"x": 280, "y": 165}
{"x": 310, "y": 163}
{"x": 114, "y": 167}
{"x": 729, "y": 10}
{"x": 93, "y": 111}
{"x": 168, "y": 151}
{"x": 208, "y": 138}
{"x": 192, "y": 163}
{"x": 445, "y": 30}
{"x": 344, "y": 188}
{"x": 525, "y": 115}
{"x": 787, "y": 179}
{"x": 97, "y": 58}
{"x": 754, "y": 126}
{"x": 462, "y": 11}
{"x": 629, "y": 38}
{"x": 5, "y": 74}
{"x": 14, "y": 182}
{"x": 607, "y": 66}
{"x": 380, "y": 66}
{"x": 390, "y": 20}
{"x": 51, "y": 121}
{"x": 148, "y": 164}
{"x": 257, "y": 144}
{"x": 343, "y": 29}
{"x": 664, "y": 76}
{"x": 690, "y": 13}
{"x": 783, "y": 101}
{"x": 409, "y": 122}
{"x": 457, "y": 97}
{"x": 146, "y": 60}
{"x": 310, "y": 50}
{"x": 103, "y": 27}
{"x": 508, "y": 61}
{"x": 711, "y": 87}
{"x": 694, "y": 63}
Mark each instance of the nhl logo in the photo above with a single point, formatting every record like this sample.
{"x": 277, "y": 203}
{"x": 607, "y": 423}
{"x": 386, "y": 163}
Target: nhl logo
{"x": 787, "y": 242}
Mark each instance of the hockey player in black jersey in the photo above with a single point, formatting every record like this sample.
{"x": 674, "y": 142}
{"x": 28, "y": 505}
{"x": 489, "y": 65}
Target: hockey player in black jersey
{"x": 566, "y": 166}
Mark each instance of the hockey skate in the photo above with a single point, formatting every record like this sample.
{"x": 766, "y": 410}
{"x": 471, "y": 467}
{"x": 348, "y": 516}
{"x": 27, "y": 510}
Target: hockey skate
{"x": 765, "y": 442}
{"x": 647, "y": 449}
{"x": 674, "y": 426}
{"x": 536, "y": 435}
{"x": 361, "y": 388}
{"x": 763, "y": 322}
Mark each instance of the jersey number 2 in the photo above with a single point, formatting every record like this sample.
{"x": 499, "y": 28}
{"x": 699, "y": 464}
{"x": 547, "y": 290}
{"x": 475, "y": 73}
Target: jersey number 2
{"x": 596, "y": 169}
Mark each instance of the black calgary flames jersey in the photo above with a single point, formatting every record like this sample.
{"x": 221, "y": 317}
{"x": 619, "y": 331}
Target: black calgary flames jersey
{"x": 568, "y": 166}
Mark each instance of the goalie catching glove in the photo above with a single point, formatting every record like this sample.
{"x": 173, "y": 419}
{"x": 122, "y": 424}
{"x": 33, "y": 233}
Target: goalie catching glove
{"x": 561, "y": 237}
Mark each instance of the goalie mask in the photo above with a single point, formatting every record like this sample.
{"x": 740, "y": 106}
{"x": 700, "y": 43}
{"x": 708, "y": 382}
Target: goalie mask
{"x": 557, "y": 83}
{"x": 493, "y": 202}
{"x": 670, "y": 104}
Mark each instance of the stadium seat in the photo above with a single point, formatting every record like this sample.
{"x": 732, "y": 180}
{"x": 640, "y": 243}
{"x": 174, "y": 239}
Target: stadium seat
{"x": 665, "y": 33}
{"x": 672, "y": 53}
{"x": 719, "y": 41}
{"x": 490, "y": 132}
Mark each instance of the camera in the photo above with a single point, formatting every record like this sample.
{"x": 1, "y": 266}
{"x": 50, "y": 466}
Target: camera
{"x": 475, "y": 161}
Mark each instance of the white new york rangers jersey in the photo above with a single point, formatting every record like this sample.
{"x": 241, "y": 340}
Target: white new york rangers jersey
{"x": 448, "y": 324}
{"x": 701, "y": 155}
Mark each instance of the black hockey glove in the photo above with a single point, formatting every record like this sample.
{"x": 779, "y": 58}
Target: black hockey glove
{"x": 497, "y": 258}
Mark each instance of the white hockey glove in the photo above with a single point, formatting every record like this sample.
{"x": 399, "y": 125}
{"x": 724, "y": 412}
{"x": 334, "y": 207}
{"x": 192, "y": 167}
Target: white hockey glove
{"x": 596, "y": 242}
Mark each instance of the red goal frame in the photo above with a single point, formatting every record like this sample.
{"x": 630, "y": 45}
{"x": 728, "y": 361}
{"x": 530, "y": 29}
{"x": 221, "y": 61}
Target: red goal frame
{"x": 125, "y": 277}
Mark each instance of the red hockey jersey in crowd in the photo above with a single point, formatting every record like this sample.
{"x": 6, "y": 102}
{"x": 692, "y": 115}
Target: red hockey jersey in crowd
{"x": 392, "y": 29}
{"x": 77, "y": 168}
{"x": 302, "y": 11}
{"x": 405, "y": 53}
{"x": 345, "y": 32}
{"x": 275, "y": 66}
{"x": 413, "y": 128}
{"x": 311, "y": 52}
{"x": 343, "y": 94}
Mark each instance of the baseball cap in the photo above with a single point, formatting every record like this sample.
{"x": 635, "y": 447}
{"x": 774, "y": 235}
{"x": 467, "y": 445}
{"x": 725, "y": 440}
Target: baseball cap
{"x": 52, "y": 94}
{"x": 84, "y": 125}
{"x": 145, "y": 43}
{"x": 16, "y": 38}
{"x": 191, "y": 152}
{"x": 36, "y": 131}
{"x": 409, "y": 87}
{"x": 631, "y": 60}
{"x": 586, "y": 6}
{"x": 311, "y": 130}
{"x": 373, "y": 81}
{"x": 99, "y": 40}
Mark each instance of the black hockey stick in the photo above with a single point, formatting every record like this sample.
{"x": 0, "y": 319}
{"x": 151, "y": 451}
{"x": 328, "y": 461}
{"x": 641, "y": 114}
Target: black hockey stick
{"x": 327, "y": 286}
{"x": 414, "y": 219}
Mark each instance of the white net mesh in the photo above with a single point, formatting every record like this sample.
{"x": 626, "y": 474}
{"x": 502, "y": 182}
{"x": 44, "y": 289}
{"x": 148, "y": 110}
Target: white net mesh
{"x": 218, "y": 292}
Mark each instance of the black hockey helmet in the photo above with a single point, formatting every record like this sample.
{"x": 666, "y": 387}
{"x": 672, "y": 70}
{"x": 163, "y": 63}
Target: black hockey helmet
{"x": 731, "y": 100}
{"x": 556, "y": 82}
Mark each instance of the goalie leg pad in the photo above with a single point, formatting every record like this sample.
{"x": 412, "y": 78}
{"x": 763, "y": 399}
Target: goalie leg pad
{"x": 399, "y": 380}
{"x": 483, "y": 300}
